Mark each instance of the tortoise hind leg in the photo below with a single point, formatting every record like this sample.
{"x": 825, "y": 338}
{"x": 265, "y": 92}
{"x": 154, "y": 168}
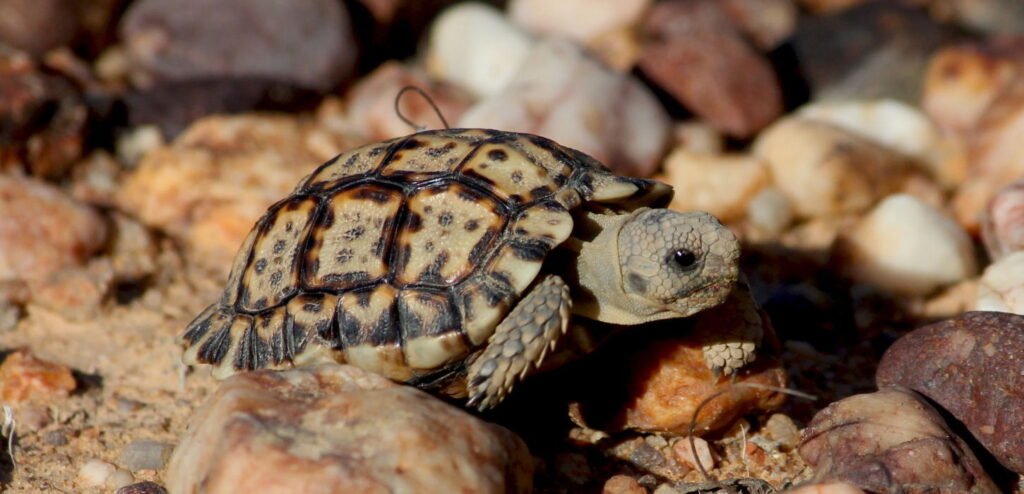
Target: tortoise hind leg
{"x": 520, "y": 342}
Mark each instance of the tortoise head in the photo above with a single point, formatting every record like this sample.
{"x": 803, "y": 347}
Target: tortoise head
{"x": 676, "y": 263}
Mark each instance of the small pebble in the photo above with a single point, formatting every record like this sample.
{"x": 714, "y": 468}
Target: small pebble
{"x": 590, "y": 18}
{"x": 906, "y": 247}
{"x": 24, "y": 377}
{"x": 120, "y": 478}
{"x": 770, "y": 211}
{"x": 722, "y": 185}
{"x": 781, "y": 428}
{"x": 1000, "y": 288}
{"x": 666, "y": 489}
{"x": 656, "y": 441}
{"x": 56, "y": 438}
{"x": 146, "y": 487}
{"x": 829, "y": 488}
{"x": 684, "y": 452}
{"x": 697, "y": 136}
{"x": 94, "y": 472}
{"x": 1002, "y": 227}
{"x": 622, "y": 484}
{"x": 144, "y": 454}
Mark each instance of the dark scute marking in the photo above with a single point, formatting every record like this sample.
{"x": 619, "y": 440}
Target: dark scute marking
{"x": 313, "y": 306}
{"x": 560, "y": 179}
{"x": 429, "y": 246}
{"x": 377, "y": 150}
{"x": 373, "y": 194}
{"x": 517, "y": 177}
{"x": 497, "y": 155}
{"x": 280, "y": 245}
{"x": 197, "y": 328}
{"x": 354, "y": 233}
{"x": 299, "y": 336}
{"x": 259, "y": 304}
{"x": 328, "y": 332}
{"x": 214, "y": 349}
{"x": 637, "y": 282}
{"x": 328, "y": 220}
{"x": 363, "y": 298}
{"x": 415, "y": 223}
{"x": 440, "y": 151}
{"x": 353, "y": 332}
{"x": 351, "y": 160}
{"x": 483, "y": 245}
{"x": 275, "y": 279}
{"x": 253, "y": 352}
{"x": 314, "y": 266}
{"x": 402, "y": 254}
{"x": 345, "y": 255}
{"x": 538, "y": 192}
{"x": 478, "y": 176}
{"x": 432, "y": 273}
{"x": 412, "y": 144}
{"x": 408, "y": 320}
{"x": 279, "y": 350}
{"x": 472, "y": 225}
{"x": 346, "y": 278}
{"x": 428, "y": 209}
{"x": 445, "y": 218}
{"x": 467, "y": 195}
{"x": 497, "y": 289}
{"x": 530, "y": 249}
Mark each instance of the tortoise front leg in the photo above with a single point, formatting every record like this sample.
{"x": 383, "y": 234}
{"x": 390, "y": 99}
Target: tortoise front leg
{"x": 520, "y": 342}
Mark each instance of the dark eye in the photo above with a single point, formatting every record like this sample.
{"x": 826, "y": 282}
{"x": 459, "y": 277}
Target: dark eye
{"x": 684, "y": 258}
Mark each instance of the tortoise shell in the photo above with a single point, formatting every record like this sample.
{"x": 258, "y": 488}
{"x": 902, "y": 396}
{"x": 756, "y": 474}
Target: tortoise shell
{"x": 402, "y": 256}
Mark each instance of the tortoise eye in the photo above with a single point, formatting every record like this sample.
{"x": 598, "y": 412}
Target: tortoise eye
{"x": 684, "y": 258}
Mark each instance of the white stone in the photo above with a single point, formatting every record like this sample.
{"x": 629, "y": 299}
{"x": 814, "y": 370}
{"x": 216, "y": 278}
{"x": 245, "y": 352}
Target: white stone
{"x": 475, "y": 46}
{"x": 94, "y": 472}
{"x": 119, "y": 479}
{"x": 1001, "y": 287}
{"x": 722, "y": 185}
{"x": 827, "y": 171}
{"x": 907, "y": 247}
{"x": 697, "y": 136}
{"x": 589, "y": 18}
{"x": 564, "y": 95}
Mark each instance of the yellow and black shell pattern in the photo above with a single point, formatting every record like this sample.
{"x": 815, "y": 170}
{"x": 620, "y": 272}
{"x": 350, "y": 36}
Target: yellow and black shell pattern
{"x": 401, "y": 257}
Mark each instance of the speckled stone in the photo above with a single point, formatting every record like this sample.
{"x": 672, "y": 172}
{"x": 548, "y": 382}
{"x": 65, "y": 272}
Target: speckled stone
{"x": 891, "y": 441}
{"x": 339, "y": 429}
{"x": 972, "y": 366}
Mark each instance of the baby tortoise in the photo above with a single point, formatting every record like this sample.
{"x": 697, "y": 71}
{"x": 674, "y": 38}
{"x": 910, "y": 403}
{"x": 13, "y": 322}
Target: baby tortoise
{"x": 426, "y": 259}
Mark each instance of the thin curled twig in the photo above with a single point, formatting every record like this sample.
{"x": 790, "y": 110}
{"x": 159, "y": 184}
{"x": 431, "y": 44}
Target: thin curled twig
{"x": 430, "y": 101}
{"x": 696, "y": 411}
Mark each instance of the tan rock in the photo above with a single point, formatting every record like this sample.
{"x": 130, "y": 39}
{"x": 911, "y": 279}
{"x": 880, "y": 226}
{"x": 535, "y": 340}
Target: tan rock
{"x": 23, "y": 377}
{"x": 897, "y": 126}
{"x": 212, "y": 183}
{"x": 695, "y": 52}
{"x": 76, "y": 293}
{"x": 42, "y": 230}
{"x": 1002, "y": 227}
{"x": 564, "y": 95}
{"x": 767, "y": 22}
{"x": 906, "y": 247}
{"x": 590, "y": 18}
{"x": 722, "y": 185}
{"x": 339, "y": 429}
{"x": 827, "y": 488}
{"x": 1000, "y": 288}
{"x": 622, "y": 484}
{"x": 693, "y": 454}
{"x": 371, "y": 102}
{"x": 962, "y": 81}
{"x": 826, "y": 171}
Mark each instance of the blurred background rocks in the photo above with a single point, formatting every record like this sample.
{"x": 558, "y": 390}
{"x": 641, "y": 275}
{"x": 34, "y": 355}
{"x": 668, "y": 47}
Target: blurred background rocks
{"x": 866, "y": 152}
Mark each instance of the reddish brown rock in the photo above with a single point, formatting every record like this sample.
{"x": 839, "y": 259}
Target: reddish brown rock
{"x": 891, "y": 441}
{"x": 23, "y": 377}
{"x": 311, "y": 44}
{"x": 43, "y": 230}
{"x": 656, "y": 378}
{"x": 37, "y": 26}
{"x": 622, "y": 484}
{"x": 339, "y": 429}
{"x": 694, "y": 52}
{"x": 43, "y": 118}
{"x": 371, "y": 102}
{"x": 973, "y": 367}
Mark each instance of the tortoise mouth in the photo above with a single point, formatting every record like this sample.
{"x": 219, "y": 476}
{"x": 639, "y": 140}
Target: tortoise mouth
{"x": 712, "y": 291}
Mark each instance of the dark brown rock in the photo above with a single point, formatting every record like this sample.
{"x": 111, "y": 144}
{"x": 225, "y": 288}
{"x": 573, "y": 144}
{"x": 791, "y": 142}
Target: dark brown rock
{"x": 973, "y": 367}
{"x": 41, "y": 118}
{"x": 146, "y": 487}
{"x": 694, "y": 51}
{"x": 37, "y": 26}
{"x": 875, "y": 50}
{"x": 891, "y": 441}
{"x": 308, "y": 43}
